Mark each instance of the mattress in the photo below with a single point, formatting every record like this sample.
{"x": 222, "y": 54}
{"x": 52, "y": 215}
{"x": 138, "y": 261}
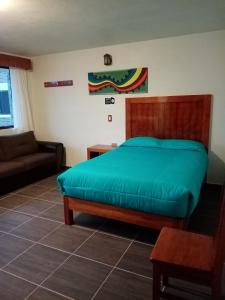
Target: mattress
{"x": 157, "y": 176}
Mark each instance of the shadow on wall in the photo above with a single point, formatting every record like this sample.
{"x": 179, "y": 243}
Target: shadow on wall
{"x": 216, "y": 172}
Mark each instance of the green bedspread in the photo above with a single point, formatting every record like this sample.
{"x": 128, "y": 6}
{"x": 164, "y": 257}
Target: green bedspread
{"x": 156, "y": 178}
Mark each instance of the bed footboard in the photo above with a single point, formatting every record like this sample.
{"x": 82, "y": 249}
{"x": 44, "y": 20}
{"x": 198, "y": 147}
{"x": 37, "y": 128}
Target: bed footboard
{"x": 117, "y": 213}
{"x": 68, "y": 212}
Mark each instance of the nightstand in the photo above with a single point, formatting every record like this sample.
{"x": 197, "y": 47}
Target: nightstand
{"x": 97, "y": 150}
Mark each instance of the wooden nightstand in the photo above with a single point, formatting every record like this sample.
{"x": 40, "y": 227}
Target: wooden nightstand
{"x": 97, "y": 150}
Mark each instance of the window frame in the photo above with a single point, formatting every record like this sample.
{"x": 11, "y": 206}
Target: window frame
{"x": 10, "y": 93}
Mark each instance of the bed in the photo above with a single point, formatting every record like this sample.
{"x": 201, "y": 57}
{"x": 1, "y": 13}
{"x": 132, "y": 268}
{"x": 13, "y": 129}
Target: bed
{"x": 154, "y": 178}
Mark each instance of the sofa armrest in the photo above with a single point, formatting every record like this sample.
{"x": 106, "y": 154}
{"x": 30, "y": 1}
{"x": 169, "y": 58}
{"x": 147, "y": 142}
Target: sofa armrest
{"x": 53, "y": 147}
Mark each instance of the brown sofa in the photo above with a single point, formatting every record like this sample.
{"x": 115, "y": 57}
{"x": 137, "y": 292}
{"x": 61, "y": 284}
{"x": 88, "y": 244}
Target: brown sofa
{"x": 23, "y": 160}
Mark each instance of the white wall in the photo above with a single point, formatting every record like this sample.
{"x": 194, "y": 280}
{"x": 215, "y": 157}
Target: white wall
{"x": 190, "y": 64}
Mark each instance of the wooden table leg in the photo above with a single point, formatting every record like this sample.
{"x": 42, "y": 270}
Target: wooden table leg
{"x": 216, "y": 289}
{"x": 165, "y": 281}
{"x": 156, "y": 282}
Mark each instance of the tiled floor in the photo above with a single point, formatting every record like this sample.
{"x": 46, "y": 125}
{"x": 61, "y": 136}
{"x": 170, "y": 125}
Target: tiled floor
{"x": 43, "y": 259}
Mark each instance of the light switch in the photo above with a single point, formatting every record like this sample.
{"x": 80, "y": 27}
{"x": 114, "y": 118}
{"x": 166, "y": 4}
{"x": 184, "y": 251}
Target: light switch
{"x": 109, "y": 118}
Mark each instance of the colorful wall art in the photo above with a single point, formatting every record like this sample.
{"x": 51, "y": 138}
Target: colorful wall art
{"x": 117, "y": 82}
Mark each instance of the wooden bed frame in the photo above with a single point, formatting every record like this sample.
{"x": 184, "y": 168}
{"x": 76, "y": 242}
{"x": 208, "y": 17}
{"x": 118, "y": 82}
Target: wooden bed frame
{"x": 177, "y": 117}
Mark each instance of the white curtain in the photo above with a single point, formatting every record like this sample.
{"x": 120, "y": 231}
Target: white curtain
{"x": 22, "y": 114}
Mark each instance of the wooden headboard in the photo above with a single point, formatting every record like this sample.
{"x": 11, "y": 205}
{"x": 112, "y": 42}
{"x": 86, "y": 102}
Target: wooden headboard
{"x": 170, "y": 117}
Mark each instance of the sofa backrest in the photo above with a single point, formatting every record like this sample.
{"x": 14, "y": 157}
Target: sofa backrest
{"x": 12, "y": 146}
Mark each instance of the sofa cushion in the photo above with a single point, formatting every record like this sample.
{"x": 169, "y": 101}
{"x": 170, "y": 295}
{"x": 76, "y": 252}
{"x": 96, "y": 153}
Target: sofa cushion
{"x": 8, "y": 168}
{"x": 36, "y": 160}
{"x": 12, "y": 146}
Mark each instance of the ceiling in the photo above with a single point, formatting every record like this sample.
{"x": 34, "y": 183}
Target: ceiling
{"x": 36, "y": 27}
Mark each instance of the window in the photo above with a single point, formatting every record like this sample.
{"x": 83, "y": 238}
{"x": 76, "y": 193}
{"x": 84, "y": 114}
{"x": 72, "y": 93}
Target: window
{"x": 6, "y": 115}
